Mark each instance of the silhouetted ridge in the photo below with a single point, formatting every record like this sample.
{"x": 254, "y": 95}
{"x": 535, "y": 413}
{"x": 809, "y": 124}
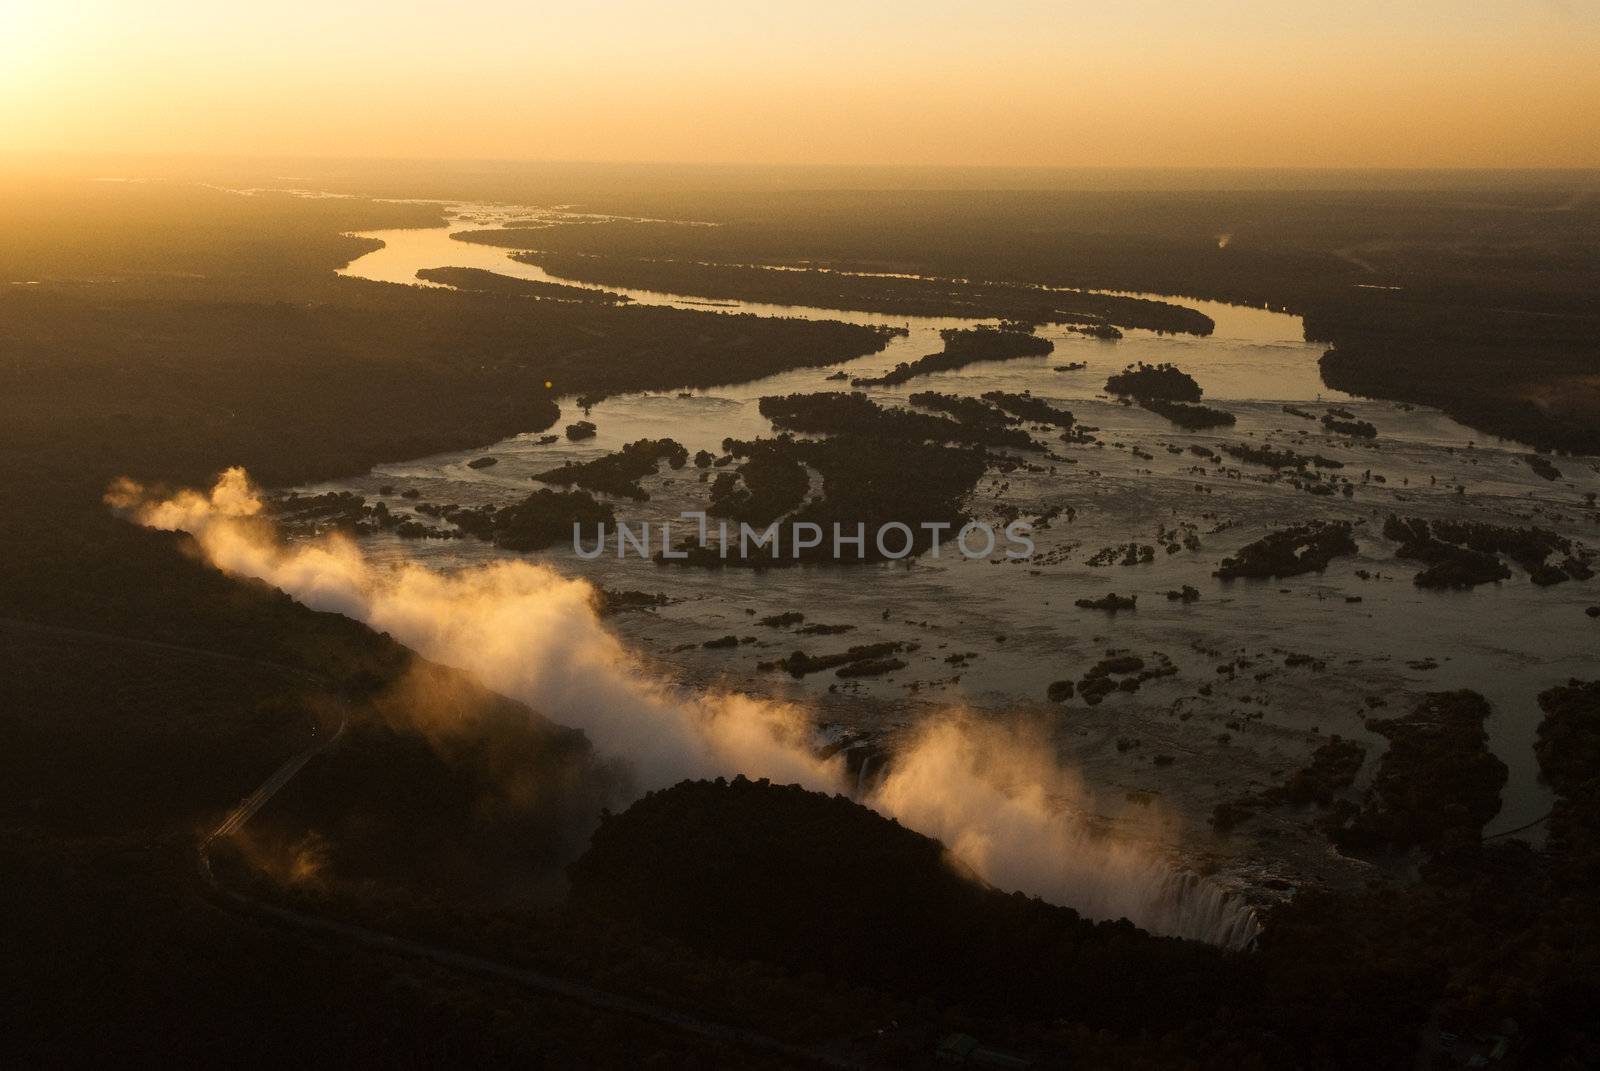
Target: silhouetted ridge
{"x": 814, "y": 882}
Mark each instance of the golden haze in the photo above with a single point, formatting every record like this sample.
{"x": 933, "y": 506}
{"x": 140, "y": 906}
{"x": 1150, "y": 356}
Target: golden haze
{"x": 1144, "y": 83}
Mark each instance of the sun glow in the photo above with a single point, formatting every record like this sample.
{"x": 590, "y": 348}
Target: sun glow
{"x": 931, "y": 82}
{"x": 30, "y": 35}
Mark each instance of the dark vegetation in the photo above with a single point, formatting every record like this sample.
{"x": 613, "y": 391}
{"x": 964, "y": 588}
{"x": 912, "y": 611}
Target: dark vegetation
{"x": 1151, "y": 381}
{"x": 1120, "y": 673}
{"x": 1301, "y": 548}
{"x": 1167, "y": 391}
{"x": 1123, "y": 554}
{"x": 1448, "y": 565}
{"x": 481, "y": 281}
{"x": 864, "y": 486}
{"x": 1279, "y": 459}
{"x": 837, "y": 414}
{"x": 1359, "y": 429}
{"x": 833, "y": 290}
{"x": 1110, "y": 601}
{"x": 609, "y": 601}
{"x": 619, "y": 473}
{"x": 864, "y": 482}
{"x": 963, "y": 346}
{"x": 306, "y": 515}
{"x": 1187, "y": 416}
{"x": 1027, "y": 407}
{"x": 1530, "y": 375}
{"x": 1437, "y": 780}
{"x": 543, "y": 519}
{"x": 783, "y": 620}
{"x": 967, "y": 410}
{"x": 771, "y": 482}
{"x": 845, "y": 663}
{"x": 818, "y": 883}
{"x": 1464, "y": 554}
{"x": 1568, "y": 743}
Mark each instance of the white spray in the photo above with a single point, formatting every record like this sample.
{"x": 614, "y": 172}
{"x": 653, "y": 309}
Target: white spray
{"x": 999, "y": 801}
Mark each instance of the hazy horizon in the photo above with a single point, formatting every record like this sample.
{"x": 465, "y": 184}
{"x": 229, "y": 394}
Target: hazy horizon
{"x": 1241, "y": 84}
{"x": 563, "y": 180}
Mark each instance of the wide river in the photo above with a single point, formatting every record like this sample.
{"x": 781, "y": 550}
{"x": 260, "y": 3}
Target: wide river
{"x": 1508, "y": 640}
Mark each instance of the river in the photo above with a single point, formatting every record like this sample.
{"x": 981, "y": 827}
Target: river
{"x": 1508, "y": 640}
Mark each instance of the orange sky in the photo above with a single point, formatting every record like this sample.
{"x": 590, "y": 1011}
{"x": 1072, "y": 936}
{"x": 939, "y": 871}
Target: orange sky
{"x": 1136, "y": 83}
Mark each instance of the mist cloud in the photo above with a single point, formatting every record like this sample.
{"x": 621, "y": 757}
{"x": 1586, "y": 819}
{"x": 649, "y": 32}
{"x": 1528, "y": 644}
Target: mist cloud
{"x": 997, "y": 798}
